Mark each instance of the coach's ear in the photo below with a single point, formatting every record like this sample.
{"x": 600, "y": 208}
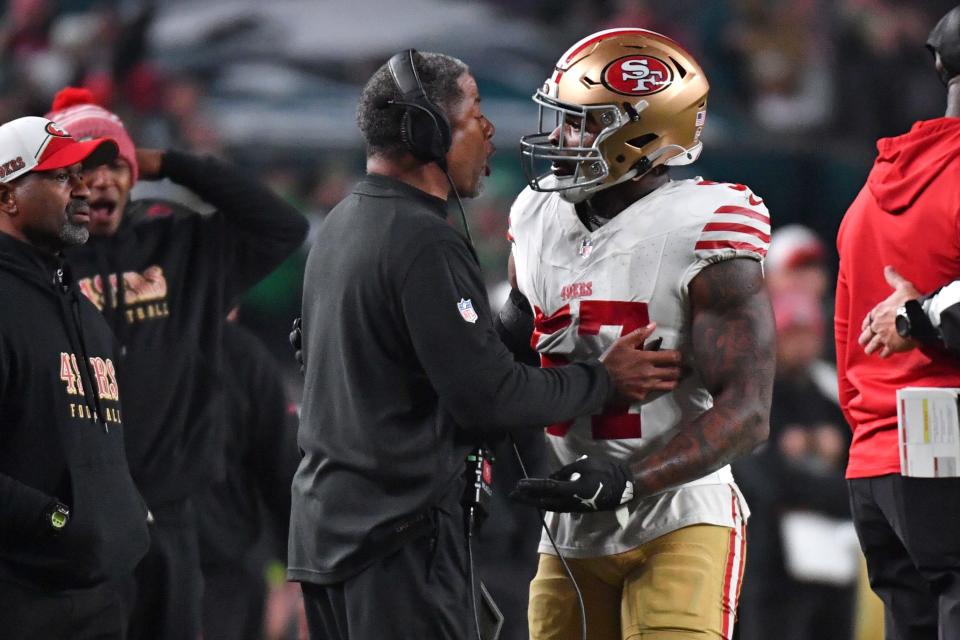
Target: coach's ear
{"x": 8, "y": 200}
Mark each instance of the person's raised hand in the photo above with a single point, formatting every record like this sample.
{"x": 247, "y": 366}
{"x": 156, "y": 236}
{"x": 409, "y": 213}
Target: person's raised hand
{"x": 149, "y": 162}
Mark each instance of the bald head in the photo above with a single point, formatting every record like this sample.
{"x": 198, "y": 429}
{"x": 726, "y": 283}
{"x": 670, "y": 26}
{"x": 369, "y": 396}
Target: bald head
{"x": 944, "y": 43}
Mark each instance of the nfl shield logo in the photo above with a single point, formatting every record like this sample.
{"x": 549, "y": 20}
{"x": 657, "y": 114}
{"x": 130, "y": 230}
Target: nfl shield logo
{"x": 586, "y": 246}
{"x": 465, "y": 307}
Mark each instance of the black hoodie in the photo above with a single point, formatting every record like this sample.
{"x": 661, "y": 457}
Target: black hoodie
{"x": 61, "y": 431}
{"x": 180, "y": 272}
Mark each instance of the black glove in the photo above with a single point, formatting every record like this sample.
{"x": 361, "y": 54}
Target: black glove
{"x": 589, "y": 484}
{"x": 296, "y": 341}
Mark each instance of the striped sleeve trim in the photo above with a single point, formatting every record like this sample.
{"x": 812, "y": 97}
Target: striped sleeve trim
{"x": 738, "y": 228}
{"x": 744, "y": 211}
{"x": 734, "y": 228}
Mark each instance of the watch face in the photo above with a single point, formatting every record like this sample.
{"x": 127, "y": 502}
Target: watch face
{"x": 902, "y": 323}
{"x": 58, "y": 519}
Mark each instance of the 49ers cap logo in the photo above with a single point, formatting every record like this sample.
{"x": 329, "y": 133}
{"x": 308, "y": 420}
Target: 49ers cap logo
{"x": 54, "y": 129}
{"x": 637, "y": 75}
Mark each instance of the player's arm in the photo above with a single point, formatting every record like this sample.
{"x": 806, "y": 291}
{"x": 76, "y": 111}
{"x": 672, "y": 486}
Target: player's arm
{"x": 260, "y": 227}
{"x": 514, "y": 322}
{"x": 733, "y": 340}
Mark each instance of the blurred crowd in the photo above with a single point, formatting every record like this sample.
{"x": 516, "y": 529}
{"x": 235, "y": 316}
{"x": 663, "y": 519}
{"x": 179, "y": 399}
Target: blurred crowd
{"x": 806, "y": 80}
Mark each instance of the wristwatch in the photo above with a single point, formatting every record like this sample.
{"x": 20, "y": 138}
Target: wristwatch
{"x": 56, "y": 517}
{"x": 910, "y": 317}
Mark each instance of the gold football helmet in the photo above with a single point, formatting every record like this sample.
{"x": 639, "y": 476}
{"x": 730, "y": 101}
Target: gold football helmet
{"x": 640, "y": 96}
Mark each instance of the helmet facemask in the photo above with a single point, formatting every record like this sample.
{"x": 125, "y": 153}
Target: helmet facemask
{"x": 540, "y": 155}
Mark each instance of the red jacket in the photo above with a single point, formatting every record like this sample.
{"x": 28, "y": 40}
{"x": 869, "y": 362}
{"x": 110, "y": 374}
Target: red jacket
{"x": 907, "y": 216}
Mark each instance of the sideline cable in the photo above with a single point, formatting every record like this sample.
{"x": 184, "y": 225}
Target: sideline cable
{"x": 553, "y": 542}
{"x": 472, "y": 577}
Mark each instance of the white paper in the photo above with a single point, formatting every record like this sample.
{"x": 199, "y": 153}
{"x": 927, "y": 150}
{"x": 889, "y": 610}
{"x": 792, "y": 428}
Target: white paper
{"x": 820, "y": 549}
{"x": 928, "y": 432}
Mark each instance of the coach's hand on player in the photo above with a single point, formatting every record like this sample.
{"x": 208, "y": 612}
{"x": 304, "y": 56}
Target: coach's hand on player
{"x": 636, "y": 371}
{"x": 589, "y": 484}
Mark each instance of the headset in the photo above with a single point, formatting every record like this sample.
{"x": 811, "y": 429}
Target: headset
{"x": 424, "y": 127}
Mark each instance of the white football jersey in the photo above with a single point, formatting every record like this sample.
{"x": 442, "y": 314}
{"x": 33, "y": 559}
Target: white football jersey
{"x": 588, "y": 288}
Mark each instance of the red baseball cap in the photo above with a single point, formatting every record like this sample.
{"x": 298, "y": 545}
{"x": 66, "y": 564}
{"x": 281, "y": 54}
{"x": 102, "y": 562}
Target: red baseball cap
{"x": 37, "y": 144}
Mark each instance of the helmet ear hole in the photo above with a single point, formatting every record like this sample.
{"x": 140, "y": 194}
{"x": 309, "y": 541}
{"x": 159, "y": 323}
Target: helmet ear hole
{"x": 641, "y": 141}
{"x": 680, "y": 70}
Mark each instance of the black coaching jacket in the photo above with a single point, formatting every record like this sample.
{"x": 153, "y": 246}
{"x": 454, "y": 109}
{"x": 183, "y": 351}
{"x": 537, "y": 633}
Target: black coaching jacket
{"x": 62, "y": 432}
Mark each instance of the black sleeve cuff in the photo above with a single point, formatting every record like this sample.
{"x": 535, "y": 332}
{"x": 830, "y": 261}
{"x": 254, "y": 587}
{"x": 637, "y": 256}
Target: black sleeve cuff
{"x": 514, "y": 325}
{"x": 921, "y": 329}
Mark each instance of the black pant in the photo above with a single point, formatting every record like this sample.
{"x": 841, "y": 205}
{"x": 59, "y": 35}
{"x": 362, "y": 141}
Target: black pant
{"x": 420, "y": 591}
{"x": 233, "y": 602}
{"x": 791, "y": 610}
{"x": 163, "y": 599}
{"x": 909, "y": 529}
{"x": 27, "y": 613}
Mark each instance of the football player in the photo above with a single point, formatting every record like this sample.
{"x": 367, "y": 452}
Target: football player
{"x": 643, "y": 505}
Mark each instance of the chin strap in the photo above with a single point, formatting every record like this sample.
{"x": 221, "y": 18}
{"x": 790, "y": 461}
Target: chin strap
{"x": 576, "y": 195}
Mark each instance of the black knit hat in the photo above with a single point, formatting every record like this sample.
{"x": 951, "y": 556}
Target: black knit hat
{"x": 945, "y": 40}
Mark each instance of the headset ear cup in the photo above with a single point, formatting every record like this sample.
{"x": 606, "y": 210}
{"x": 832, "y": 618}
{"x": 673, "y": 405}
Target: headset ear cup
{"x": 424, "y": 134}
{"x": 424, "y": 128}
{"x": 405, "y": 131}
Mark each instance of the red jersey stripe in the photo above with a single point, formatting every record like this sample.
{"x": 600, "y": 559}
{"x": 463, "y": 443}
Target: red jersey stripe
{"x": 743, "y": 211}
{"x": 729, "y": 607}
{"x": 738, "y": 228}
{"x": 705, "y": 245}
{"x": 547, "y": 324}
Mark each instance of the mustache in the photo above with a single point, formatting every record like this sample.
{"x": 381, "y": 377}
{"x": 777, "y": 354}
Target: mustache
{"x": 77, "y": 205}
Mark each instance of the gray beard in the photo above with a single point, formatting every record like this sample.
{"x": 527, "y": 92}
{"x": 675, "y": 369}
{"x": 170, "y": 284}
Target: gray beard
{"x": 72, "y": 234}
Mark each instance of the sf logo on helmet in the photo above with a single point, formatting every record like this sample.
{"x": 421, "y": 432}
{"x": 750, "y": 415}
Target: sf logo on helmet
{"x": 637, "y": 75}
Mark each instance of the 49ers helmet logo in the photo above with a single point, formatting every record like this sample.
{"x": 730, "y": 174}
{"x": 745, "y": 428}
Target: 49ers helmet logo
{"x": 637, "y": 75}
{"x": 54, "y": 129}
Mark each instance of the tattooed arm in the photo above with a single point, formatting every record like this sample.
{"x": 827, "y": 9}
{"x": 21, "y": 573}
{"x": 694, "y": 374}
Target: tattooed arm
{"x": 733, "y": 350}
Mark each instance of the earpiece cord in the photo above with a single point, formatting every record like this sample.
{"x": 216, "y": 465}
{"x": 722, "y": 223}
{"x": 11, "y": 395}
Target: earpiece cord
{"x": 553, "y": 543}
{"x": 463, "y": 215}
